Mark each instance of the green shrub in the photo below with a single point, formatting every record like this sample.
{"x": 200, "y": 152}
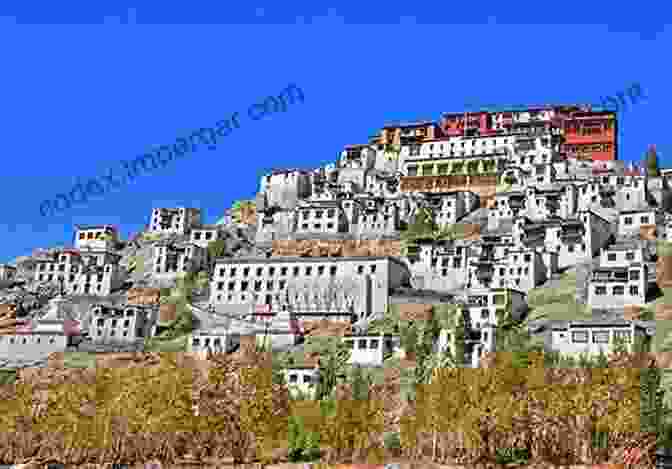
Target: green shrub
{"x": 392, "y": 441}
{"x": 512, "y": 456}
{"x": 303, "y": 445}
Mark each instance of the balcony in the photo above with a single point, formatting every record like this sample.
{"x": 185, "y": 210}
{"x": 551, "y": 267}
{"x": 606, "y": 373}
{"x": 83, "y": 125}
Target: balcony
{"x": 485, "y": 275}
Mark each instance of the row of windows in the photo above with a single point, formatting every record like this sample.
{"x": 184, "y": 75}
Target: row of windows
{"x": 208, "y": 235}
{"x": 617, "y": 290}
{"x": 293, "y": 378}
{"x": 113, "y": 333}
{"x": 629, "y": 256}
{"x": 361, "y": 344}
{"x": 90, "y": 235}
{"x": 283, "y": 271}
{"x": 599, "y": 337}
{"x": 101, "y": 322}
{"x": 73, "y": 268}
{"x": 196, "y": 341}
{"x": 317, "y": 226}
{"x": 331, "y": 213}
{"x": 644, "y": 219}
{"x": 24, "y": 340}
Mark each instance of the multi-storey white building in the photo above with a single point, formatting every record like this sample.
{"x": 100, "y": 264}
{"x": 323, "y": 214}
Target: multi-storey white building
{"x": 178, "y": 258}
{"x": 621, "y": 279}
{"x": 242, "y": 284}
{"x": 96, "y": 237}
{"x": 369, "y": 350}
{"x": 593, "y": 337}
{"x": 500, "y": 266}
{"x": 631, "y": 221}
{"x": 174, "y": 220}
{"x": 111, "y": 325}
{"x": 203, "y": 235}
{"x": 82, "y": 272}
{"x": 36, "y": 339}
{"x": 7, "y": 275}
{"x": 283, "y": 188}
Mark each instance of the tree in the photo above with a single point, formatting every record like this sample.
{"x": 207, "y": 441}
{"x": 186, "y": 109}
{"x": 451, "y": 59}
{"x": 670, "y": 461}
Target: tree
{"x": 215, "y": 249}
{"x": 332, "y": 363}
{"x": 242, "y": 401}
{"x": 652, "y": 162}
{"x": 360, "y": 383}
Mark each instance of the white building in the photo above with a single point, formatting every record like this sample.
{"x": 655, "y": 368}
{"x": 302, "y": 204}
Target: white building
{"x": 203, "y": 235}
{"x": 178, "y": 258}
{"x": 213, "y": 340}
{"x": 369, "y": 350}
{"x": 242, "y": 284}
{"x": 285, "y": 187}
{"x": 631, "y": 221}
{"x": 7, "y": 275}
{"x": 621, "y": 279}
{"x": 174, "y": 220}
{"x": 96, "y": 237}
{"x": 38, "y": 338}
{"x": 82, "y": 272}
{"x": 591, "y": 337}
{"x": 121, "y": 325}
{"x": 302, "y": 379}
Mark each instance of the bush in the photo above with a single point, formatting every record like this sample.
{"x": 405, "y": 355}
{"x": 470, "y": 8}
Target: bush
{"x": 392, "y": 442}
{"x": 303, "y": 445}
{"x": 512, "y": 456}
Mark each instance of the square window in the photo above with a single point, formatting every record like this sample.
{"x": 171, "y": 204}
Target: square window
{"x": 601, "y": 337}
{"x": 580, "y": 337}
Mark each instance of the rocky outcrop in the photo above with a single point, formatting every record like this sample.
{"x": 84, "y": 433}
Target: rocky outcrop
{"x": 631, "y": 312}
{"x": 647, "y": 232}
{"x": 664, "y": 272}
{"x": 415, "y": 311}
{"x": 144, "y": 296}
{"x": 336, "y": 248}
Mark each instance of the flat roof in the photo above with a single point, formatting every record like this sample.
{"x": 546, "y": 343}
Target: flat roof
{"x": 291, "y": 259}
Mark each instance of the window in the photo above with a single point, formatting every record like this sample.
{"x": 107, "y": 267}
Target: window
{"x": 246, "y": 271}
{"x": 372, "y": 269}
{"x": 309, "y": 271}
{"x": 485, "y": 314}
{"x": 374, "y": 344}
{"x": 580, "y": 337}
{"x": 629, "y": 255}
{"x": 634, "y": 290}
{"x": 293, "y": 378}
{"x": 127, "y": 322}
{"x": 271, "y": 271}
{"x": 600, "y": 290}
{"x": 611, "y": 257}
{"x": 601, "y": 337}
{"x": 331, "y": 213}
{"x": 306, "y": 379}
{"x": 295, "y": 271}
{"x": 208, "y": 236}
{"x": 619, "y": 290}
{"x": 283, "y": 271}
{"x": 644, "y": 219}
{"x": 362, "y": 344}
{"x": 332, "y": 270}
{"x": 259, "y": 271}
{"x": 624, "y": 336}
{"x": 628, "y": 220}
{"x": 634, "y": 275}
{"x": 570, "y": 248}
{"x": 360, "y": 269}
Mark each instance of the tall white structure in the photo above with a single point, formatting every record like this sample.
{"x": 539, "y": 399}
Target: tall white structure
{"x": 174, "y": 220}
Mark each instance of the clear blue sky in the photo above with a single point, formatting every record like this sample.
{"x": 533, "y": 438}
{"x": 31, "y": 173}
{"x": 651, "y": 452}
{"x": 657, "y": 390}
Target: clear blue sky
{"x": 86, "y": 87}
